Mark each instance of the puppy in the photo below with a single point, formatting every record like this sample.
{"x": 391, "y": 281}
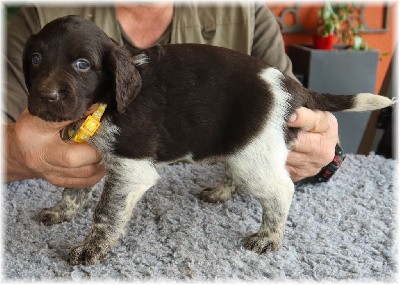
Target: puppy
{"x": 166, "y": 103}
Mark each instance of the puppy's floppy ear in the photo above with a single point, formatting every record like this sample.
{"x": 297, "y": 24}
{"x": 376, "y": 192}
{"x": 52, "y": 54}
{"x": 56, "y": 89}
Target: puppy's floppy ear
{"x": 127, "y": 79}
{"x": 26, "y": 62}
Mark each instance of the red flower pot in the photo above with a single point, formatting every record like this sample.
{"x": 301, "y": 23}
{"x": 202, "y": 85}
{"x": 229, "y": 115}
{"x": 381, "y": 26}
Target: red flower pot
{"x": 325, "y": 43}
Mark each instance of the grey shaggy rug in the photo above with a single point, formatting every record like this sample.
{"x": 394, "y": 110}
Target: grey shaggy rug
{"x": 340, "y": 230}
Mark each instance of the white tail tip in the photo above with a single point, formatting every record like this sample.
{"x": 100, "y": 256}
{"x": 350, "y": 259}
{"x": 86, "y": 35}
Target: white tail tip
{"x": 368, "y": 102}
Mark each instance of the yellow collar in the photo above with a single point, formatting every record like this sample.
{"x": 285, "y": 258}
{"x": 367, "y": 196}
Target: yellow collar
{"x": 89, "y": 126}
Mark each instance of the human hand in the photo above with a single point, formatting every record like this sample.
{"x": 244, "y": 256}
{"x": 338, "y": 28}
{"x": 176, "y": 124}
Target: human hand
{"x": 315, "y": 144}
{"x": 34, "y": 149}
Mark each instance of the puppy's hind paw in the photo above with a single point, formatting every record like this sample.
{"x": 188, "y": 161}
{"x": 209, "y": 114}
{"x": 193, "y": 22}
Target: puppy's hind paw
{"x": 262, "y": 243}
{"x": 216, "y": 195}
{"x": 51, "y": 216}
{"x": 88, "y": 253}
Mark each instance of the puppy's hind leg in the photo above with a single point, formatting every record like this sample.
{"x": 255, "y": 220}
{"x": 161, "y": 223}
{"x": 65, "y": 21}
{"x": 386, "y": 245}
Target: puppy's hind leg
{"x": 126, "y": 182}
{"x": 262, "y": 171}
{"x": 72, "y": 200}
{"x": 275, "y": 199}
{"x": 222, "y": 192}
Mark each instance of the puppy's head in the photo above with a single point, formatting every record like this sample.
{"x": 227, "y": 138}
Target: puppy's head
{"x": 70, "y": 65}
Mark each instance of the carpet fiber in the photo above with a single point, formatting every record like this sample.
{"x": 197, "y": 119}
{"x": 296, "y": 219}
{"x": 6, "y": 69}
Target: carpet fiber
{"x": 340, "y": 230}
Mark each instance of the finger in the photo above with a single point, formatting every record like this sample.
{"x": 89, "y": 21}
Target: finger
{"x": 304, "y": 161}
{"x": 303, "y": 165}
{"x": 300, "y": 172}
{"x": 304, "y": 154}
{"x": 90, "y": 171}
{"x": 314, "y": 144}
{"x": 297, "y": 159}
{"x": 73, "y": 155}
{"x": 86, "y": 171}
{"x": 307, "y": 143}
{"x": 68, "y": 182}
{"x": 312, "y": 120}
{"x": 297, "y": 174}
{"x": 302, "y": 118}
{"x": 294, "y": 173}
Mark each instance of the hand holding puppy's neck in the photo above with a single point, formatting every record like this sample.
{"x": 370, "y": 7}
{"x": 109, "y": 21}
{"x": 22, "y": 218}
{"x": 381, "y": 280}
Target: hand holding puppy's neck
{"x": 144, "y": 23}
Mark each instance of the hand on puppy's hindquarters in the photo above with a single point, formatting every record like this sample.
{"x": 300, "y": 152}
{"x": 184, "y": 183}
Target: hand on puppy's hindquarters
{"x": 314, "y": 147}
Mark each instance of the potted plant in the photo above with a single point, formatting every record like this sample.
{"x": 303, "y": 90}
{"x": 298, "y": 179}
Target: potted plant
{"x": 341, "y": 70}
{"x": 329, "y": 24}
{"x": 335, "y": 22}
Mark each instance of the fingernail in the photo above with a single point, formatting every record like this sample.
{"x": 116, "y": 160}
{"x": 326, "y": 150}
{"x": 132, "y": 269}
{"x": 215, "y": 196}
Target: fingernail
{"x": 292, "y": 118}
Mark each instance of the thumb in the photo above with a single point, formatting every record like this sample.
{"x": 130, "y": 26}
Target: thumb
{"x": 303, "y": 118}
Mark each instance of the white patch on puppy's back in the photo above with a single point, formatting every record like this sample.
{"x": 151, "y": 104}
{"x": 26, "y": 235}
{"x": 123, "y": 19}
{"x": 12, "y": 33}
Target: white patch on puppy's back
{"x": 275, "y": 125}
{"x": 271, "y": 138}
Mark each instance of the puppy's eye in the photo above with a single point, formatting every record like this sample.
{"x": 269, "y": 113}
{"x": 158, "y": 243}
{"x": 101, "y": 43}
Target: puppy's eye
{"x": 36, "y": 59}
{"x": 82, "y": 64}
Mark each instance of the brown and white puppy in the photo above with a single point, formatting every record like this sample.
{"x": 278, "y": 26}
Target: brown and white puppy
{"x": 166, "y": 103}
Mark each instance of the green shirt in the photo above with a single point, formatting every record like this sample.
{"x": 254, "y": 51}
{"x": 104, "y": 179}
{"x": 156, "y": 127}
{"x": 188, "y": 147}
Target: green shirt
{"x": 246, "y": 28}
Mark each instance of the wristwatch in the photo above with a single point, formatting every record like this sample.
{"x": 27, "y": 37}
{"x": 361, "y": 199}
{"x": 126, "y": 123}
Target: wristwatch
{"x": 327, "y": 171}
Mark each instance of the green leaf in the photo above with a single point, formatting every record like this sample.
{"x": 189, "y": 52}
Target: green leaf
{"x": 326, "y": 13}
{"x": 342, "y": 17}
{"x": 329, "y": 27}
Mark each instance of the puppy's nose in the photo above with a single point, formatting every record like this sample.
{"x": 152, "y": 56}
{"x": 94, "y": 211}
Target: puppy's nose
{"x": 50, "y": 95}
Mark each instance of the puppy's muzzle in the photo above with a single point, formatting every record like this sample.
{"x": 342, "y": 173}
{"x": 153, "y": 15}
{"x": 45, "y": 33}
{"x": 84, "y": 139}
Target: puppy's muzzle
{"x": 53, "y": 99}
{"x": 50, "y": 96}
{"x": 52, "y": 91}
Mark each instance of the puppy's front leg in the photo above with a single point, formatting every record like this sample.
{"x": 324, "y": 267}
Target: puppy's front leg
{"x": 72, "y": 200}
{"x": 126, "y": 182}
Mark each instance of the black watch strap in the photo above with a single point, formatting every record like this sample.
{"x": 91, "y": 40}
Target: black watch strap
{"x": 326, "y": 172}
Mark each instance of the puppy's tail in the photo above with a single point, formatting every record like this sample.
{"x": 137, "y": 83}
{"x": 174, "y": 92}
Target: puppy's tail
{"x": 348, "y": 103}
{"x": 334, "y": 103}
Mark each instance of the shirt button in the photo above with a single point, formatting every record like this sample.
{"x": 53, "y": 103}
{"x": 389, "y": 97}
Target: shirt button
{"x": 208, "y": 32}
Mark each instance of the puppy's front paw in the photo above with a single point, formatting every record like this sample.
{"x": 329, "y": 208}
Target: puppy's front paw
{"x": 51, "y": 216}
{"x": 89, "y": 252}
{"x": 262, "y": 242}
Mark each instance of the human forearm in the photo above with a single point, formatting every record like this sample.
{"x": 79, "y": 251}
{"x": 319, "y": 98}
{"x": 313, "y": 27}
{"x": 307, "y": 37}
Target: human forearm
{"x": 268, "y": 43}
{"x": 22, "y": 26}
